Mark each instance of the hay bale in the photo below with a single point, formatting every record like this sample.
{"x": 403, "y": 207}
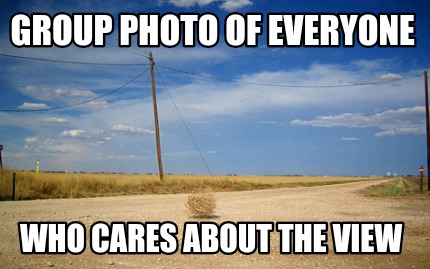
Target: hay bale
{"x": 200, "y": 204}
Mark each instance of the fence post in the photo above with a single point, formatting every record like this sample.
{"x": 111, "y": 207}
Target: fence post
{"x": 13, "y": 186}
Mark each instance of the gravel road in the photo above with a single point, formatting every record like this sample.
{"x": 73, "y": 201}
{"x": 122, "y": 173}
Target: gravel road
{"x": 313, "y": 204}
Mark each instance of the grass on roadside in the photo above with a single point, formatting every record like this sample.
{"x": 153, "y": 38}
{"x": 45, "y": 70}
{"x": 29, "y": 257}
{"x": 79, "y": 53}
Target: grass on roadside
{"x": 396, "y": 187}
{"x": 81, "y": 185}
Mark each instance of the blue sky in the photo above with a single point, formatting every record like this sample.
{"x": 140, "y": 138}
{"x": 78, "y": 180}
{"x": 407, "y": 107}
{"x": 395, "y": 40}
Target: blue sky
{"x": 239, "y": 128}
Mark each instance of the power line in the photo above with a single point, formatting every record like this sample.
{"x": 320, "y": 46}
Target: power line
{"x": 287, "y": 85}
{"x": 185, "y": 124}
{"x": 210, "y": 76}
{"x": 52, "y": 12}
{"x": 129, "y": 50}
{"x": 67, "y": 62}
{"x": 76, "y": 104}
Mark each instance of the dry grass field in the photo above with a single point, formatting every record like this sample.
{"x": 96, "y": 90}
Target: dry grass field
{"x": 82, "y": 185}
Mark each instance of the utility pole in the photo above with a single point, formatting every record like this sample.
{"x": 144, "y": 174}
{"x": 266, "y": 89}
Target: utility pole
{"x": 157, "y": 129}
{"x": 426, "y": 88}
{"x": 1, "y": 162}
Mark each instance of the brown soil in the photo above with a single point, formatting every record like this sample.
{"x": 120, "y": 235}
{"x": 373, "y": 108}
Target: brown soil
{"x": 322, "y": 204}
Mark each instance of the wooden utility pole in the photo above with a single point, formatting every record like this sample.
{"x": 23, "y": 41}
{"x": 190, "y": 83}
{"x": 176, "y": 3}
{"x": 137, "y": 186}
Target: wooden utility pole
{"x": 1, "y": 161}
{"x": 426, "y": 88}
{"x": 157, "y": 129}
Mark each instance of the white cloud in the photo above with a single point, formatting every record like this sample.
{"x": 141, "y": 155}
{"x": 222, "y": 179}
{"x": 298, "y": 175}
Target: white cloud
{"x": 375, "y": 65}
{"x": 98, "y": 104}
{"x": 203, "y": 100}
{"x": 49, "y": 149}
{"x": 390, "y": 76}
{"x": 228, "y": 5}
{"x": 31, "y": 139}
{"x": 66, "y": 148}
{"x": 55, "y": 120}
{"x": 392, "y": 122}
{"x": 131, "y": 129}
{"x": 75, "y": 133}
{"x": 234, "y": 5}
{"x": 70, "y": 92}
{"x": 42, "y": 92}
{"x": 350, "y": 138}
{"x": 102, "y": 141}
{"x": 190, "y": 3}
{"x": 401, "y": 131}
{"x": 30, "y": 106}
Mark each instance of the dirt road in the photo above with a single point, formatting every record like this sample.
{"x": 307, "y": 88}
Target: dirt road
{"x": 323, "y": 204}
